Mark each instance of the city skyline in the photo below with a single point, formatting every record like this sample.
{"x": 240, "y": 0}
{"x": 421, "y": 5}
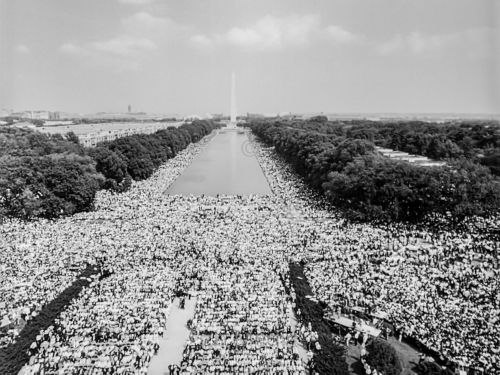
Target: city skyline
{"x": 171, "y": 57}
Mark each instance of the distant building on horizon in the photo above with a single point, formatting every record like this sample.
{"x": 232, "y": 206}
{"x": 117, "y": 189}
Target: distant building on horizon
{"x": 54, "y": 116}
{"x": 255, "y": 116}
{"x": 36, "y": 115}
{"x": 285, "y": 115}
{"x": 129, "y": 108}
{"x": 44, "y": 115}
{"x": 192, "y": 118}
{"x": 5, "y": 112}
{"x": 216, "y": 116}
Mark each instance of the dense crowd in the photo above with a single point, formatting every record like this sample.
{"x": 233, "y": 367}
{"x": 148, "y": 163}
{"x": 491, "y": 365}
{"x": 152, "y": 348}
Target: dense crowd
{"x": 30, "y": 279}
{"x": 442, "y": 290}
{"x": 114, "y": 324}
{"x": 242, "y": 324}
{"x": 230, "y": 251}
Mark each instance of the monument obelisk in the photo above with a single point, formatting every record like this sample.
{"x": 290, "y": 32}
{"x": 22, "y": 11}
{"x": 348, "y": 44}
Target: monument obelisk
{"x": 232, "y": 122}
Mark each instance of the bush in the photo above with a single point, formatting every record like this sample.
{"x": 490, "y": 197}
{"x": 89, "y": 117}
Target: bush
{"x": 383, "y": 357}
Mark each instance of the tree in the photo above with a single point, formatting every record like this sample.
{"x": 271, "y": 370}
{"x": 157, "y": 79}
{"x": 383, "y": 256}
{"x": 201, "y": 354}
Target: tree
{"x": 47, "y": 186}
{"x": 320, "y": 119}
{"x": 50, "y": 175}
{"x": 38, "y": 123}
{"x": 109, "y": 163}
{"x": 369, "y": 186}
{"x": 72, "y": 137}
{"x": 382, "y": 356}
{"x": 492, "y": 161}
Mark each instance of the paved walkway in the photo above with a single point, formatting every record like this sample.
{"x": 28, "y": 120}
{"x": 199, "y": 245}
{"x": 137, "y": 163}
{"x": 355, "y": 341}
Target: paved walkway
{"x": 299, "y": 347}
{"x": 174, "y": 339}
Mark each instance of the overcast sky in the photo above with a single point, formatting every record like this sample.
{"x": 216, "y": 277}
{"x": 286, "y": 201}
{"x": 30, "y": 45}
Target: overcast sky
{"x": 288, "y": 55}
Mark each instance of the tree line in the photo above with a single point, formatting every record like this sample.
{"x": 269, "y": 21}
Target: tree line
{"x": 339, "y": 159}
{"x": 478, "y": 141}
{"x": 48, "y": 176}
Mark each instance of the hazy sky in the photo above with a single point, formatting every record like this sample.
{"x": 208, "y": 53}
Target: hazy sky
{"x": 288, "y": 55}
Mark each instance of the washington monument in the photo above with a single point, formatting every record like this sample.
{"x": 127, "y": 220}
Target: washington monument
{"x": 232, "y": 122}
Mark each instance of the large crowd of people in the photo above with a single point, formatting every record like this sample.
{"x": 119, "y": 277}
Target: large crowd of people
{"x": 115, "y": 322}
{"x": 442, "y": 290}
{"x": 242, "y": 323}
{"x": 230, "y": 250}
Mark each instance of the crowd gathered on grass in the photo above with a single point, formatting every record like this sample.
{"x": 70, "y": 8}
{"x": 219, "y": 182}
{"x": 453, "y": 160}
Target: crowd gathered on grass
{"x": 441, "y": 289}
{"x": 235, "y": 255}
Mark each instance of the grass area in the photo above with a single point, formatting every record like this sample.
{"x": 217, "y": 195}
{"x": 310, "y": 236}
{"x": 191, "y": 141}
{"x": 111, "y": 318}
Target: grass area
{"x": 353, "y": 360}
{"x": 408, "y": 356}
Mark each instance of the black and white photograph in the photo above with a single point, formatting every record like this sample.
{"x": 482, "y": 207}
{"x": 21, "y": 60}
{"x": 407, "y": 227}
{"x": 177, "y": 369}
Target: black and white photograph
{"x": 249, "y": 187}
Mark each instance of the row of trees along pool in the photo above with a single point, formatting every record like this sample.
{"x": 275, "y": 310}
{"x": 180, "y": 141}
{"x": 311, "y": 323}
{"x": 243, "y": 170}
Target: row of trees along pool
{"x": 48, "y": 176}
{"x": 340, "y": 160}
